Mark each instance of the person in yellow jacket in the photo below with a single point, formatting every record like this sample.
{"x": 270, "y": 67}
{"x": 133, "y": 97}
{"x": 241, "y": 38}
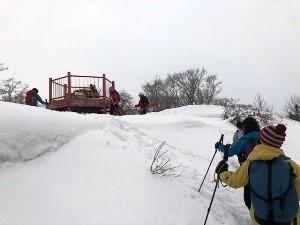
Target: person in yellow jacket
{"x": 268, "y": 147}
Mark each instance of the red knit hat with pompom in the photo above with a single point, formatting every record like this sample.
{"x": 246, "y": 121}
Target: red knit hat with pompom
{"x": 273, "y": 135}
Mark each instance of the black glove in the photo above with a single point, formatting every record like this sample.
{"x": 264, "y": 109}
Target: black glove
{"x": 217, "y": 145}
{"x": 221, "y": 167}
{"x": 227, "y": 147}
{"x": 136, "y": 106}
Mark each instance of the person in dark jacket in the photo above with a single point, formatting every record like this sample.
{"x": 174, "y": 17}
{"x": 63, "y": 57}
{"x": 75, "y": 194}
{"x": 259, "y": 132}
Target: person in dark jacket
{"x": 114, "y": 101}
{"x": 143, "y": 104}
{"x": 243, "y": 147}
{"x": 32, "y": 98}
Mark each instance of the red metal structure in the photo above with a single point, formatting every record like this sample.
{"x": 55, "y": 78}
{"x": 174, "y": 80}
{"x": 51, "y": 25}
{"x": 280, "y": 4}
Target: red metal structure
{"x": 73, "y": 93}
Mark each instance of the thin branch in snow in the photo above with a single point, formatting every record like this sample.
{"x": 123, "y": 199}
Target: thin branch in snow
{"x": 161, "y": 165}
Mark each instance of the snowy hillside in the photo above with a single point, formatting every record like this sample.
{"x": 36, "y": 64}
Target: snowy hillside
{"x": 62, "y": 168}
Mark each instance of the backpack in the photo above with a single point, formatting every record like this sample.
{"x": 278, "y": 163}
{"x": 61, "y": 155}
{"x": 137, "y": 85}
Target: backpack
{"x": 273, "y": 193}
{"x": 118, "y": 96}
{"x": 246, "y": 150}
{"x": 30, "y": 98}
{"x": 145, "y": 100}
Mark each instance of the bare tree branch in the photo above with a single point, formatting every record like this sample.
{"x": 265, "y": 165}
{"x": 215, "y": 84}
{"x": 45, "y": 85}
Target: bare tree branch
{"x": 161, "y": 165}
{"x": 292, "y": 107}
{"x": 2, "y": 68}
{"x": 12, "y": 90}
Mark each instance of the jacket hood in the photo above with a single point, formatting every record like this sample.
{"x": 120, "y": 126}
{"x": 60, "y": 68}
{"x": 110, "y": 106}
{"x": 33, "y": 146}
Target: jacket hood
{"x": 264, "y": 152}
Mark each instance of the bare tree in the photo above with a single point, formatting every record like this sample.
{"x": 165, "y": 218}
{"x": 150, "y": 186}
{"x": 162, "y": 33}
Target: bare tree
{"x": 292, "y": 107}
{"x": 2, "y": 67}
{"x": 211, "y": 89}
{"x": 262, "y": 111}
{"x": 12, "y": 90}
{"x": 190, "y": 87}
{"x": 126, "y": 102}
{"x": 156, "y": 91}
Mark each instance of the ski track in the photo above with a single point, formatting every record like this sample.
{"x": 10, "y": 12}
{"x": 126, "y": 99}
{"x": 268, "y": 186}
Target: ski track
{"x": 138, "y": 142}
{"x": 191, "y": 178}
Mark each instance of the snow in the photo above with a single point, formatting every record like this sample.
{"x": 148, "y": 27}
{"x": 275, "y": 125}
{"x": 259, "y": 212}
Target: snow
{"x": 65, "y": 168}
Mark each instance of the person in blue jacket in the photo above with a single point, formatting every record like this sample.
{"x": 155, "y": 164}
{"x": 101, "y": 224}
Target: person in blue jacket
{"x": 243, "y": 147}
{"x": 32, "y": 98}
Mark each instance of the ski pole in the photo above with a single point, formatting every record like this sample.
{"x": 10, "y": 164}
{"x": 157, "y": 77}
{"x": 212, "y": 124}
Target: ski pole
{"x": 217, "y": 182}
{"x": 221, "y": 140}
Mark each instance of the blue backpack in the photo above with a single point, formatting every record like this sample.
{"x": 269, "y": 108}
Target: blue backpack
{"x": 273, "y": 193}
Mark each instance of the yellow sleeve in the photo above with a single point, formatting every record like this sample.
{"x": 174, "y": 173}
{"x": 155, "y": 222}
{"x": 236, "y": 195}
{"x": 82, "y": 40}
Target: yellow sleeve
{"x": 297, "y": 173}
{"x": 297, "y": 183}
{"x": 236, "y": 179}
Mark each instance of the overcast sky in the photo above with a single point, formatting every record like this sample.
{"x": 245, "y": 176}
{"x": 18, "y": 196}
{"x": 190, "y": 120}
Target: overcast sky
{"x": 253, "y": 46}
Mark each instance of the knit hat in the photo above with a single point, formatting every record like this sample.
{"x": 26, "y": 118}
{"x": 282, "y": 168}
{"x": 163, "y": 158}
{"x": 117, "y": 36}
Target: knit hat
{"x": 273, "y": 135}
{"x": 36, "y": 90}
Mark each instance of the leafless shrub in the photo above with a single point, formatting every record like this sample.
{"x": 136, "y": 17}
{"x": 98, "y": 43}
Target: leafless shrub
{"x": 12, "y": 90}
{"x": 292, "y": 107}
{"x": 160, "y": 165}
{"x": 260, "y": 110}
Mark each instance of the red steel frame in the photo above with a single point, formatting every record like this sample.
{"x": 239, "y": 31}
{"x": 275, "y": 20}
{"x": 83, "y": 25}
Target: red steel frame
{"x": 62, "y": 93}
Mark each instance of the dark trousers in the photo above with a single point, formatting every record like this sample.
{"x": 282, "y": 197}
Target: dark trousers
{"x": 114, "y": 110}
{"x": 247, "y": 198}
{"x": 143, "y": 111}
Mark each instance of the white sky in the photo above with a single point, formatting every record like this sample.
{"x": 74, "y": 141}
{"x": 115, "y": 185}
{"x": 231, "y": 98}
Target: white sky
{"x": 253, "y": 46}
{"x": 67, "y": 168}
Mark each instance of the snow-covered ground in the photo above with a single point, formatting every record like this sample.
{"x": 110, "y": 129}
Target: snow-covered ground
{"x": 63, "y": 168}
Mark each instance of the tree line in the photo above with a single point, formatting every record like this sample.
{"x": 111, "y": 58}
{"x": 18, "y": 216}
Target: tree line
{"x": 190, "y": 87}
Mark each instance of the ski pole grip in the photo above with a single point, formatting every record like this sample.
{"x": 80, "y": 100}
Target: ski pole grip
{"x": 221, "y": 138}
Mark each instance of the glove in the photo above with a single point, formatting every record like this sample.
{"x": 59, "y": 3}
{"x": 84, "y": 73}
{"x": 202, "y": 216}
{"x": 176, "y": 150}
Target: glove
{"x": 221, "y": 167}
{"x": 136, "y": 106}
{"x": 217, "y": 145}
{"x": 227, "y": 147}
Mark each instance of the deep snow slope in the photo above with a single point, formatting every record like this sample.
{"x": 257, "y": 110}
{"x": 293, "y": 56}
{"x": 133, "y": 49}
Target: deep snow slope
{"x": 65, "y": 168}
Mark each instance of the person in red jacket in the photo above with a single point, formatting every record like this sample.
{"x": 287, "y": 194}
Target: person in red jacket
{"x": 143, "y": 103}
{"x": 114, "y": 101}
{"x": 32, "y": 98}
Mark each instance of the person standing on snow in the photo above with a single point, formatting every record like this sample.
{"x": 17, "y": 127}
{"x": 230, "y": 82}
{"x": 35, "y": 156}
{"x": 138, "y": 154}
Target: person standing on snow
{"x": 32, "y": 98}
{"x": 114, "y": 101}
{"x": 273, "y": 177}
{"x": 238, "y": 133}
{"x": 143, "y": 103}
{"x": 242, "y": 148}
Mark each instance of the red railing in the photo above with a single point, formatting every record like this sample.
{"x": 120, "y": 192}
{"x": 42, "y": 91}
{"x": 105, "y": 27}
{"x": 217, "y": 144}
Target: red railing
{"x": 75, "y": 86}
